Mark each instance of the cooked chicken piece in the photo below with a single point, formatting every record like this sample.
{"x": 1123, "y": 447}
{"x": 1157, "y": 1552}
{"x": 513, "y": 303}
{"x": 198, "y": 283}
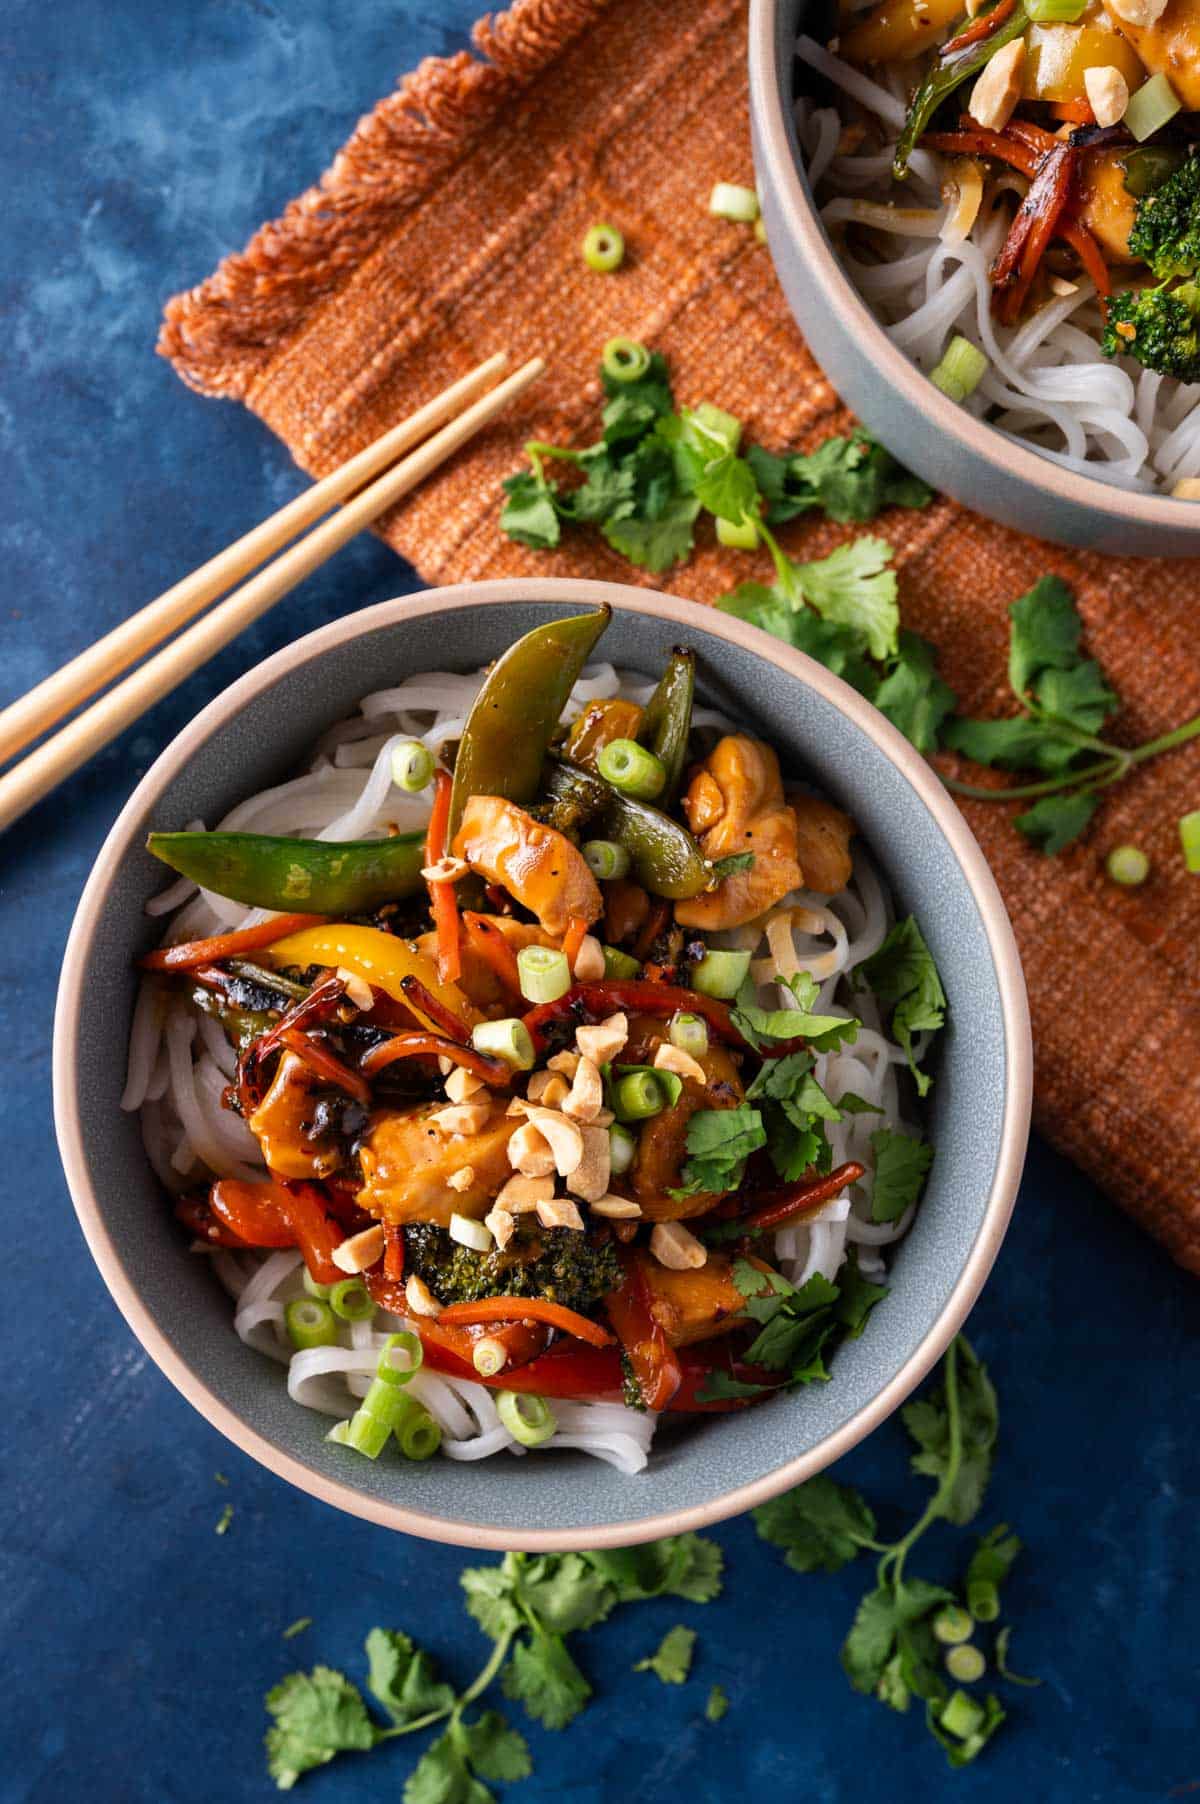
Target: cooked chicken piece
{"x": 823, "y": 835}
{"x": 662, "y": 1142}
{"x": 283, "y": 1125}
{"x": 1166, "y": 38}
{"x": 407, "y": 1165}
{"x": 598, "y": 725}
{"x": 697, "y": 1304}
{"x": 1106, "y": 205}
{"x": 735, "y": 803}
{"x": 533, "y": 862}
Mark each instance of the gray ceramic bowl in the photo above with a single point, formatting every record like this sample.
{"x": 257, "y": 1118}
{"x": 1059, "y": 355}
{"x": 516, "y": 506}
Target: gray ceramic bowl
{"x": 260, "y": 730}
{"x": 947, "y": 446}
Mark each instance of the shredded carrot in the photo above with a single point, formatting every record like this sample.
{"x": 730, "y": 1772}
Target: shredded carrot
{"x": 659, "y": 974}
{"x": 441, "y": 895}
{"x": 433, "y": 1046}
{"x": 228, "y": 945}
{"x": 491, "y": 945}
{"x": 1034, "y": 225}
{"x": 433, "y": 1013}
{"x": 1072, "y": 112}
{"x": 393, "y": 1252}
{"x": 983, "y": 27}
{"x": 326, "y": 1064}
{"x": 531, "y": 1309}
{"x": 573, "y": 939}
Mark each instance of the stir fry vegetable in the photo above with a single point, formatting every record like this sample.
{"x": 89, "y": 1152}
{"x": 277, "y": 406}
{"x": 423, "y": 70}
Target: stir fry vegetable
{"x": 347, "y": 877}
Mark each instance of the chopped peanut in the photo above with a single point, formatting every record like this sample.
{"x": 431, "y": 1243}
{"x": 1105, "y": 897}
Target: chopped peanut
{"x": 420, "y": 1298}
{"x": 589, "y": 960}
{"x": 564, "y": 1062}
{"x": 462, "y": 1117}
{"x": 673, "y": 1058}
{"x": 604, "y": 1041}
{"x": 462, "y": 1179}
{"x": 462, "y": 1084}
{"x": 1139, "y": 13}
{"x": 996, "y": 93}
{"x": 676, "y": 1247}
{"x": 522, "y": 1194}
{"x": 616, "y": 1208}
{"x": 529, "y": 1152}
{"x": 594, "y": 1171}
{"x": 360, "y": 1251}
{"x": 1188, "y": 489}
{"x": 358, "y": 990}
{"x": 559, "y": 1212}
{"x": 565, "y": 1137}
{"x": 446, "y": 870}
{"x": 548, "y": 1088}
{"x": 1108, "y": 93}
{"x": 586, "y": 1098}
{"x": 502, "y": 1225}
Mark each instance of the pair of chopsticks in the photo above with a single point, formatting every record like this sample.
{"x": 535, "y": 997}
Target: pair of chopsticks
{"x": 47, "y": 704}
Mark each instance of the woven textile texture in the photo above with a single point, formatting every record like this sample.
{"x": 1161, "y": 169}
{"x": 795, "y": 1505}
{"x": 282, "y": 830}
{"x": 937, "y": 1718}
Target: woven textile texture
{"x": 450, "y": 225}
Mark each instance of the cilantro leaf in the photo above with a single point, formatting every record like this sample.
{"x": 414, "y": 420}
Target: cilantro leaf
{"x": 851, "y": 478}
{"x": 1018, "y": 742}
{"x": 1044, "y": 632}
{"x": 727, "y": 867}
{"x": 852, "y": 1104}
{"x": 841, "y": 649}
{"x": 317, "y": 1715}
{"x": 1080, "y": 696}
{"x": 881, "y": 1615}
{"x": 912, "y": 695}
{"x": 820, "y": 1525}
{"x": 403, "y": 1678}
{"x": 443, "y": 1775}
{"x": 758, "y": 1026}
{"x": 794, "y": 1324}
{"x": 928, "y": 1422}
{"x": 719, "y": 1141}
{"x": 1054, "y": 821}
{"x": 991, "y": 1563}
{"x": 857, "y": 1297}
{"x": 717, "y": 1705}
{"x": 904, "y": 977}
{"x": 854, "y": 587}
{"x": 673, "y": 1660}
{"x": 491, "y": 1600}
{"x": 607, "y": 493}
{"x": 565, "y": 1593}
{"x": 901, "y": 1162}
{"x": 655, "y": 544}
{"x": 494, "y": 1750}
{"x": 727, "y": 488}
{"x": 542, "y": 1675}
{"x": 529, "y": 515}
{"x": 682, "y": 1566}
{"x": 632, "y": 408}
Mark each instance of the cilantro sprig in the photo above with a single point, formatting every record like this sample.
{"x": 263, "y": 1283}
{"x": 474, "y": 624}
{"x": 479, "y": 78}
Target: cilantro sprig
{"x": 906, "y": 1631}
{"x": 527, "y": 1606}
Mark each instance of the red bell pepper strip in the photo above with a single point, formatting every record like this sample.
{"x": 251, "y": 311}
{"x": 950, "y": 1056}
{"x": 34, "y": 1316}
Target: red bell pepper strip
{"x": 532, "y": 1309}
{"x": 315, "y": 1229}
{"x": 654, "y": 1361}
{"x": 312, "y": 1009}
{"x": 698, "y": 1368}
{"x": 982, "y": 27}
{"x": 252, "y": 1213}
{"x": 608, "y": 995}
{"x": 796, "y": 1199}
{"x": 228, "y": 945}
{"x": 576, "y": 1373}
{"x": 425, "y": 1004}
{"x": 433, "y": 1046}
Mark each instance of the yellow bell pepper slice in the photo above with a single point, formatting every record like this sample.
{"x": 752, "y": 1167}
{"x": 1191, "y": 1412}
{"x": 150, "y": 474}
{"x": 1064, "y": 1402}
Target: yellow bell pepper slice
{"x": 1057, "y": 57}
{"x": 377, "y": 957}
{"x": 898, "y": 30}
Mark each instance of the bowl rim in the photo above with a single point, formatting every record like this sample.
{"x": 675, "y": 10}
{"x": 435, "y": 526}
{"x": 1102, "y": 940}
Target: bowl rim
{"x": 1008, "y": 457}
{"x": 1002, "y": 947}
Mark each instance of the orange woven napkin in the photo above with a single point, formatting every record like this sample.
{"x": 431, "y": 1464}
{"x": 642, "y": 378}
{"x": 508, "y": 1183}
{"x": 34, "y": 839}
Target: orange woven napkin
{"x": 450, "y": 226}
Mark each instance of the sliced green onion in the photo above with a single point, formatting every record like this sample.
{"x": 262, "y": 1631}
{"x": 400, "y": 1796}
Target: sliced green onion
{"x": 760, "y": 229}
{"x": 983, "y": 1600}
{"x": 366, "y": 1434}
{"x": 633, "y": 770}
{"x": 638, "y": 1096}
{"x": 508, "y": 1040}
{"x": 962, "y": 1716}
{"x": 619, "y": 964}
{"x": 689, "y": 1033}
{"x": 384, "y": 1402}
{"x": 1128, "y": 866}
{"x": 622, "y": 1149}
{"x": 605, "y": 859}
{"x": 721, "y": 974}
{"x": 625, "y": 360}
{"x": 719, "y": 425}
{"x": 418, "y": 1434}
{"x": 351, "y": 1301}
{"x": 412, "y": 766}
{"x": 544, "y": 973}
{"x": 310, "y": 1322}
{"x": 737, "y": 536}
{"x": 470, "y": 1233}
{"x": 953, "y": 1624}
{"x": 960, "y": 370}
{"x": 603, "y": 248}
{"x": 339, "y": 1434}
{"x": 528, "y": 1419}
{"x": 489, "y": 1356}
{"x": 1056, "y": 12}
{"x": 728, "y": 201}
{"x": 1153, "y": 106}
{"x": 410, "y": 1345}
{"x": 965, "y": 1663}
{"x": 312, "y": 1287}
{"x": 1189, "y": 837}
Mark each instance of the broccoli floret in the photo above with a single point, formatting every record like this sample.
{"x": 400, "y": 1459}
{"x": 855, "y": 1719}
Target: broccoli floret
{"x": 1160, "y": 328}
{"x": 1166, "y": 227}
{"x": 566, "y": 1266}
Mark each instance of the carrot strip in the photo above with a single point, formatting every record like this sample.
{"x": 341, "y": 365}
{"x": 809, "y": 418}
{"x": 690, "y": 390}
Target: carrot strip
{"x": 534, "y": 1309}
{"x": 1034, "y": 225}
{"x": 797, "y": 1199}
{"x": 491, "y": 945}
{"x": 977, "y": 141}
{"x": 983, "y": 27}
{"x": 1072, "y": 112}
{"x": 227, "y": 945}
{"x": 441, "y": 895}
{"x": 320, "y": 1002}
{"x": 393, "y": 1253}
{"x": 424, "y": 1003}
{"x": 418, "y": 1045}
{"x": 573, "y": 939}
{"x": 326, "y": 1064}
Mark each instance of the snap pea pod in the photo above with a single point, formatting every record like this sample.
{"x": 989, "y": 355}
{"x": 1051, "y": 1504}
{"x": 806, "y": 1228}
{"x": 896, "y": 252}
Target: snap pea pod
{"x": 666, "y": 859}
{"x": 517, "y": 711}
{"x": 945, "y": 76}
{"x": 667, "y": 721}
{"x": 328, "y": 878}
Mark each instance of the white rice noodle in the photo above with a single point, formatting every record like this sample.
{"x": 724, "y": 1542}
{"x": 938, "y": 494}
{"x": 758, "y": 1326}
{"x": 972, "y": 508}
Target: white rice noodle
{"x": 922, "y": 266}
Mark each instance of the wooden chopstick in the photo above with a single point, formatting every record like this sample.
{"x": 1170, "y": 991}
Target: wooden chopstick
{"x": 46, "y": 767}
{"x": 49, "y": 701}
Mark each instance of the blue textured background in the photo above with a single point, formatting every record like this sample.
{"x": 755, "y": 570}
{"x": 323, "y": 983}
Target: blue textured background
{"x": 139, "y": 143}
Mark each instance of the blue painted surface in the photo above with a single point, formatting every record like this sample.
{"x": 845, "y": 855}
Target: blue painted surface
{"x": 141, "y": 142}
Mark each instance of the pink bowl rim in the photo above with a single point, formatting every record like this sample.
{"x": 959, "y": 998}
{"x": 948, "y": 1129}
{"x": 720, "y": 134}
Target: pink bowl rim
{"x": 1006, "y": 456}
{"x": 1001, "y": 942}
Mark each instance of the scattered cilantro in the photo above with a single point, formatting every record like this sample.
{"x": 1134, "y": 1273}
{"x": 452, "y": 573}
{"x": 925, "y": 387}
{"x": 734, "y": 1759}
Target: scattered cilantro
{"x": 901, "y": 1162}
{"x": 903, "y": 977}
{"x": 224, "y": 1520}
{"x": 797, "y": 1329}
{"x": 892, "y": 1650}
{"x": 759, "y": 1026}
{"x": 297, "y": 1628}
{"x": 717, "y": 1705}
{"x": 725, "y": 867}
{"x": 673, "y": 1660}
{"x": 719, "y": 1141}
{"x": 851, "y": 478}
{"x": 317, "y": 1715}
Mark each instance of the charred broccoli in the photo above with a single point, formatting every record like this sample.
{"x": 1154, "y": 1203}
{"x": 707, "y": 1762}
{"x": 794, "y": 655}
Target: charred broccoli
{"x": 566, "y": 1266}
{"x": 1160, "y": 327}
{"x": 1166, "y": 227}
